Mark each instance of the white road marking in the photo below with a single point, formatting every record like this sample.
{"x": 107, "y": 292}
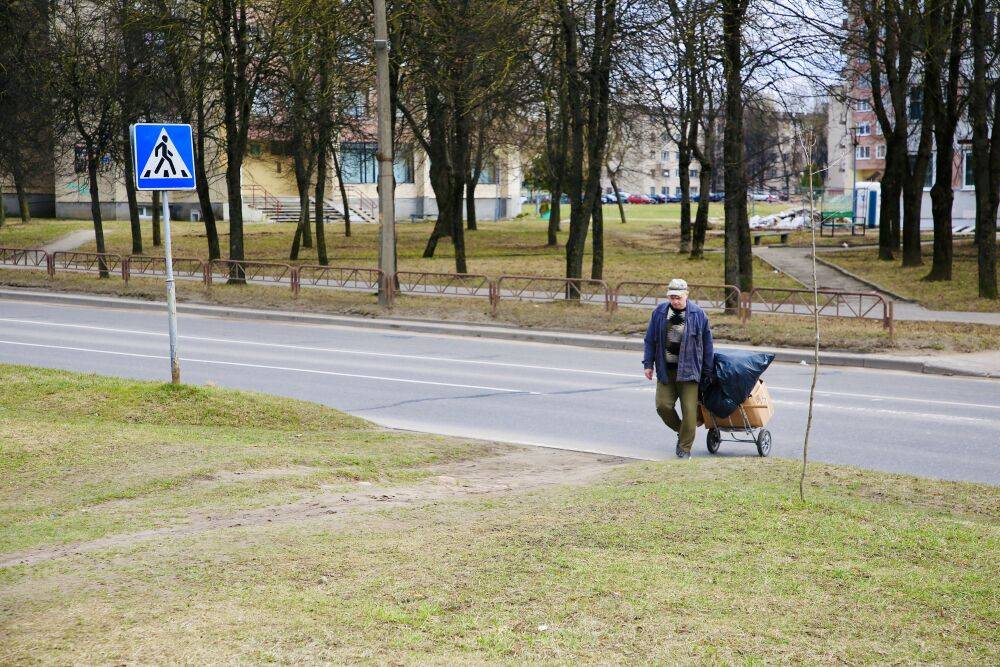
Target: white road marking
{"x": 267, "y": 367}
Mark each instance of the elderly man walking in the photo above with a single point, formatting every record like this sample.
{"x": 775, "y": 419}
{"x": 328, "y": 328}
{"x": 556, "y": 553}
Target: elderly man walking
{"x": 679, "y": 347}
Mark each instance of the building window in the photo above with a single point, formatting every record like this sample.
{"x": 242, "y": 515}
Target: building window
{"x": 864, "y": 129}
{"x": 928, "y": 174}
{"x": 694, "y": 173}
{"x": 677, "y": 156}
{"x": 878, "y": 129}
{"x": 663, "y": 190}
{"x": 880, "y": 151}
{"x": 677, "y": 191}
{"x": 863, "y": 152}
{"x": 968, "y": 177}
{"x": 357, "y": 104}
{"x": 664, "y": 156}
{"x": 358, "y": 163}
{"x": 862, "y": 106}
{"x": 666, "y": 173}
{"x": 694, "y": 190}
{"x": 916, "y": 103}
{"x": 402, "y": 165}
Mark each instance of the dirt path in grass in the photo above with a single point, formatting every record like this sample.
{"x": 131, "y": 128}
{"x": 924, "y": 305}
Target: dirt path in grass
{"x": 506, "y": 470}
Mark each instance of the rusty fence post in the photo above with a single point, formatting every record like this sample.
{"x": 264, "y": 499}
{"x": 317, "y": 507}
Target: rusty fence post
{"x": 125, "y": 269}
{"x": 50, "y": 265}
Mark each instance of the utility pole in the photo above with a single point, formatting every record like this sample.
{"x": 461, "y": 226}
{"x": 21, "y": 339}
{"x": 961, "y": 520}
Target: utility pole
{"x": 386, "y": 208}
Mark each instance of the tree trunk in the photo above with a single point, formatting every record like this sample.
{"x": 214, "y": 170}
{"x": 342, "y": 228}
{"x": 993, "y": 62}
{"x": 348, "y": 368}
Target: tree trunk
{"x": 985, "y": 156}
{"x": 701, "y": 218}
{"x": 3, "y": 209}
{"x": 95, "y": 209}
{"x": 684, "y": 171}
{"x": 738, "y": 254}
{"x": 443, "y": 226}
{"x": 618, "y": 197}
{"x": 133, "y": 204}
{"x": 320, "y": 206}
{"x": 343, "y": 195}
{"x": 470, "y": 203}
{"x": 24, "y": 208}
{"x": 204, "y": 195}
{"x": 889, "y": 215}
{"x": 237, "y": 275}
{"x": 157, "y": 242}
{"x": 555, "y": 213}
{"x": 597, "y": 255}
{"x": 942, "y": 199}
{"x": 302, "y": 229}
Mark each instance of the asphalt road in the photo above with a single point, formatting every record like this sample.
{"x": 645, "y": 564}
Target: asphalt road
{"x": 558, "y": 396}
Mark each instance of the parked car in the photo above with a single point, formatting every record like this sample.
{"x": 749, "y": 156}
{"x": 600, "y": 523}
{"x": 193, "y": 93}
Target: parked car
{"x": 674, "y": 199}
{"x": 716, "y": 196}
{"x": 639, "y": 199}
{"x": 763, "y": 196}
{"x": 661, "y": 198}
{"x": 622, "y": 196}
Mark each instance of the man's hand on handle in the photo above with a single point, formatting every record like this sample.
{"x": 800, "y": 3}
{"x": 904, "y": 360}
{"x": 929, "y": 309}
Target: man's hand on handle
{"x": 649, "y": 373}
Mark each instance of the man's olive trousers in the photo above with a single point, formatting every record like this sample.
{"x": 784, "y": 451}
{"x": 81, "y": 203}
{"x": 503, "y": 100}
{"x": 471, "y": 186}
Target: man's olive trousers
{"x": 667, "y": 394}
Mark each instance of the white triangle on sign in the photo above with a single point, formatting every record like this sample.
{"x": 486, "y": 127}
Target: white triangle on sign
{"x": 165, "y": 161}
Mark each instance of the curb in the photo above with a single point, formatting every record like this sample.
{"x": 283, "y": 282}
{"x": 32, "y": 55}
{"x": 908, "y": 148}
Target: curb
{"x": 497, "y": 332}
{"x": 874, "y": 286}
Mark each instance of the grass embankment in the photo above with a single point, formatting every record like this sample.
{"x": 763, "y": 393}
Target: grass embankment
{"x": 771, "y": 330}
{"x": 959, "y": 293}
{"x": 710, "y": 560}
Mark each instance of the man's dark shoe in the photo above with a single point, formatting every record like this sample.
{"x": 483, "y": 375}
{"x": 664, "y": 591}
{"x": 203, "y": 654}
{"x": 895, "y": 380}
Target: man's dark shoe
{"x": 681, "y": 454}
{"x": 678, "y": 450}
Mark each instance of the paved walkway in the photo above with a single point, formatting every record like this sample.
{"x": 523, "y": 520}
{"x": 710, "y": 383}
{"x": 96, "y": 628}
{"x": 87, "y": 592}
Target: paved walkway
{"x": 797, "y": 263}
{"x": 71, "y": 241}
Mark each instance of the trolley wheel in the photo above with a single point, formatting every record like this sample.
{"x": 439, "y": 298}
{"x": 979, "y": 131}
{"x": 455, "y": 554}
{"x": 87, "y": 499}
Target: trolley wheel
{"x": 713, "y": 440}
{"x": 764, "y": 442}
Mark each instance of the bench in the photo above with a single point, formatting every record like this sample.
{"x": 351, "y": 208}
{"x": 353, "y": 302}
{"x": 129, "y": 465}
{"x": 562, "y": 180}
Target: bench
{"x": 781, "y": 234}
{"x": 857, "y": 227}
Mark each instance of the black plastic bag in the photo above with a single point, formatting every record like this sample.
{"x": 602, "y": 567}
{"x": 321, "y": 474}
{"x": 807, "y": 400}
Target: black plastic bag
{"x": 736, "y": 373}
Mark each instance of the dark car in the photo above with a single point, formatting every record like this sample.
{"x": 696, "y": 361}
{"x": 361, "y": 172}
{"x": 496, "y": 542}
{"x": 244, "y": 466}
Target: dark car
{"x": 716, "y": 196}
{"x": 674, "y": 199}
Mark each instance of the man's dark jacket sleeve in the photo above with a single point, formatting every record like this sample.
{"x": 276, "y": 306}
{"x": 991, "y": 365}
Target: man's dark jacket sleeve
{"x": 707, "y": 355}
{"x": 649, "y": 344}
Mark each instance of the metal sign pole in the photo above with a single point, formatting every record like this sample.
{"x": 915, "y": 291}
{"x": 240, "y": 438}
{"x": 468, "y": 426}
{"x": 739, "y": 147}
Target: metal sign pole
{"x": 175, "y": 365}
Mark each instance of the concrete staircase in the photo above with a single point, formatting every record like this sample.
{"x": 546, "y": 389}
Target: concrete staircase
{"x": 287, "y": 209}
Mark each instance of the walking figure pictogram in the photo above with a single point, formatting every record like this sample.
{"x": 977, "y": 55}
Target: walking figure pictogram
{"x": 161, "y": 160}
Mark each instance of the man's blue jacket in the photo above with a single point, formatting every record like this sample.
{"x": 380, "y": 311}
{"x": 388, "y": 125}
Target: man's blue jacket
{"x": 697, "y": 356}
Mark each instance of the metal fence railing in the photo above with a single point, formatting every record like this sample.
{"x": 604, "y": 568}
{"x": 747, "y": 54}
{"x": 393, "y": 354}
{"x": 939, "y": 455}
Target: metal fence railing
{"x": 339, "y": 277}
{"x": 87, "y": 262}
{"x": 144, "y": 265}
{"x": 245, "y": 271}
{"x": 633, "y": 293}
{"x": 544, "y": 288}
{"x": 834, "y": 303}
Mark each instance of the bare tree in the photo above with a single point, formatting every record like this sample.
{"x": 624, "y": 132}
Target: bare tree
{"x": 985, "y": 143}
{"x": 84, "y": 82}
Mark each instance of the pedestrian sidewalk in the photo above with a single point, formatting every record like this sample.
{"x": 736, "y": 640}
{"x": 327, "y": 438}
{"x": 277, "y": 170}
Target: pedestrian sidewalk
{"x": 71, "y": 241}
{"x": 797, "y": 263}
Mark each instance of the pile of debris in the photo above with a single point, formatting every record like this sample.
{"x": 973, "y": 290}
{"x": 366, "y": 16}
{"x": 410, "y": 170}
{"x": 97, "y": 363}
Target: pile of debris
{"x": 792, "y": 218}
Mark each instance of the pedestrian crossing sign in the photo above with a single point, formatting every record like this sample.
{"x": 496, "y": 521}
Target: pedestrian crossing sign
{"x": 163, "y": 156}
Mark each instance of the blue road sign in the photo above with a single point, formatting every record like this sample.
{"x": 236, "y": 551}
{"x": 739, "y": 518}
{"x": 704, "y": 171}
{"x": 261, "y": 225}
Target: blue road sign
{"x": 163, "y": 155}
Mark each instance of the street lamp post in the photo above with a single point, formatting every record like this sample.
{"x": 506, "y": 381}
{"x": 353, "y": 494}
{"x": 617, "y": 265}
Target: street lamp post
{"x": 853, "y": 129}
{"x": 386, "y": 209}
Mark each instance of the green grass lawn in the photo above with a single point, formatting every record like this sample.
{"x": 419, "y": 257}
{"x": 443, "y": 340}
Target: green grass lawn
{"x": 703, "y": 561}
{"x": 960, "y": 293}
{"x": 38, "y": 232}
